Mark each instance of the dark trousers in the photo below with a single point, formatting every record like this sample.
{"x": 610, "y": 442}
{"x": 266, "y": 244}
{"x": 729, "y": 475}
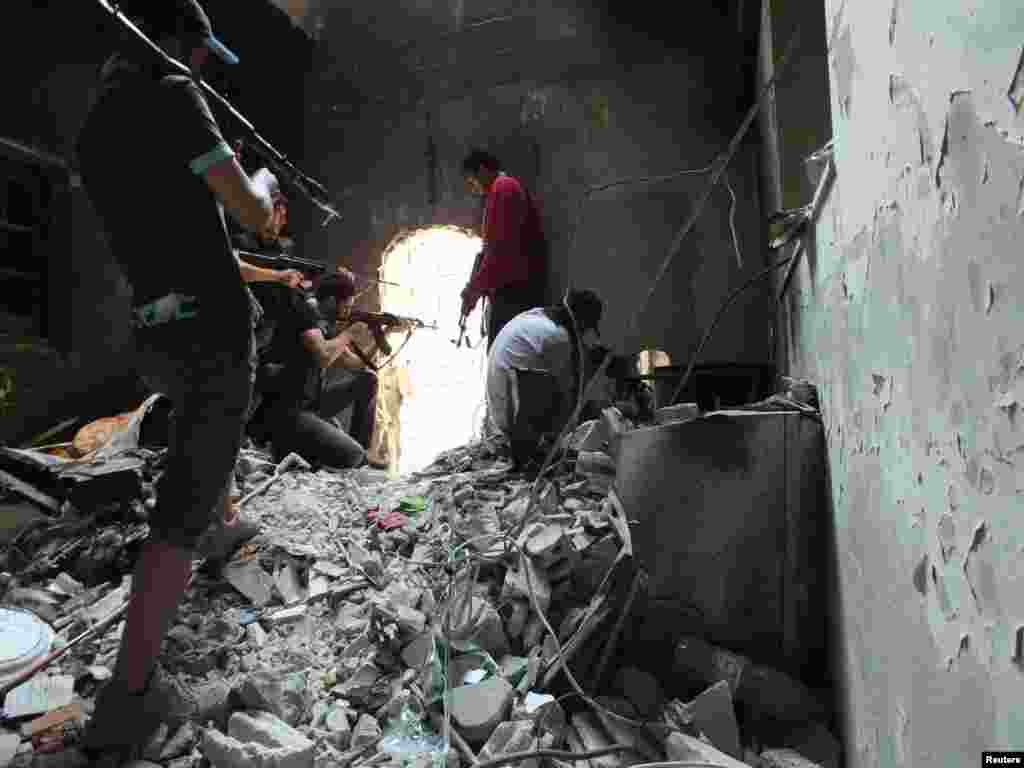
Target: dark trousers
{"x": 294, "y": 429}
{"x": 294, "y": 423}
{"x": 508, "y": 302}
{"x": 344, "y": 388}
{"x": 210, "y": 386}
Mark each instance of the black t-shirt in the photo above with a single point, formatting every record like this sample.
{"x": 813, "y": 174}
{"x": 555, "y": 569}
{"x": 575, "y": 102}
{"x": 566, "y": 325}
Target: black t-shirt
{"x": 142, "y": 151}
{"x": 286, "y": 317}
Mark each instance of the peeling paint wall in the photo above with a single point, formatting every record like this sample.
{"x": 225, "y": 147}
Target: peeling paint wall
{"x": 909, "y": 319}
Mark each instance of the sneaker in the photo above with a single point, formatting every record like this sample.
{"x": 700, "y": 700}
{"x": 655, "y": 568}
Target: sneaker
{"x": 374, "y": 464}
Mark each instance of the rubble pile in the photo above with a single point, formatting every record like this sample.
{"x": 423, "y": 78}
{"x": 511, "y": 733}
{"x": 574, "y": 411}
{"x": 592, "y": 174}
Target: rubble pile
{"x": 465, "y": 615}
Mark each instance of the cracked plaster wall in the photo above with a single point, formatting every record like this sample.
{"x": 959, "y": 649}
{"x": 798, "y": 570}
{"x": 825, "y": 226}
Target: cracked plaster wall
{"x": 909, "y": 319}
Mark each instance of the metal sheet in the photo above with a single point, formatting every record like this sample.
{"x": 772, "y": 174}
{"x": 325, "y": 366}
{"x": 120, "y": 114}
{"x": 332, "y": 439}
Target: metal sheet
{"x": 726, "y": 526}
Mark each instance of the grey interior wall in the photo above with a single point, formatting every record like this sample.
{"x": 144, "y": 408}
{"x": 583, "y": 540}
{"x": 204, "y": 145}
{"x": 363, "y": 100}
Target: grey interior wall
{"x": 569, "y": 99}
{"x": 909, "y": 319}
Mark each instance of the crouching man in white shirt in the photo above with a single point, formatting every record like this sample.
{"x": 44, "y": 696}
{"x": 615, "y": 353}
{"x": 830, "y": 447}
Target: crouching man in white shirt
{"x": 532, "y": 375}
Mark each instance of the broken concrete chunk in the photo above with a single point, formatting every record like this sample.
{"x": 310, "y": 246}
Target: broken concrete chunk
{"x": 419, "y": 652}
{"x": 411, "y": 621}
{"x": 249, "y": 578}
{"x": 786, "y": 758}
{"x": 339, "y": 725}
{"x": 180, "y": 743}
{"x": 475, "y": 622}
{"x": 360, "y": 685}
{"x": 366, "y": 562}
{"x": 267, "y": 730}
{"x": 211, "y": 702}
{"x": 256, "y": 634}
{"x": 103, "y": 608}
{"x": 283, "y": 695}
{"x": 715, "y": 717}
{"x": 289, "y": 586}
{"x": 318, "y": 585}
{"x": 548, "y": 545}
{"x": 367, "y": 731}
{"x": 523, "y": 576}
{"x": 478, "y": 709}
{"x": 258, "y": 740}
{"x": 679, "y": 747}
{"x": 287, "y": 615}
{"x": 514, "y": 512}
{"x": 68, "y": 585}
{"x": 332, "y": 570}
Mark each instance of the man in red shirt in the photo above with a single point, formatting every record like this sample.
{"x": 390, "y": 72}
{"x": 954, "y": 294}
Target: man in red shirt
{"x": 513, "y": 264}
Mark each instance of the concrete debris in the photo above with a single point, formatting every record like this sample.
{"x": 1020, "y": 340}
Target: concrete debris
{"x": 337, "y": 630}
{"x": 338, "y": 722}
{"x": 257, "y": 635}
{"x": 288, "y": 585}
{"x": 478, "y": 709}
{"x": 786, "y": 758}
{"x": 258, "y": 739}
{"x": 366, "y": 731}
{"x": 180, "y": 743}
{"x": 681, "y": 747}
{"x": 714, "y": 716}
{"x": 276, "y": 692}
{"x": 251, "y": 580}
{"x": 9, "y": 743}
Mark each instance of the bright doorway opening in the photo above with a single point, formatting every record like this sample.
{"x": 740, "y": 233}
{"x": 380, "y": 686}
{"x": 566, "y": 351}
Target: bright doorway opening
{"x": 445, "y": 406}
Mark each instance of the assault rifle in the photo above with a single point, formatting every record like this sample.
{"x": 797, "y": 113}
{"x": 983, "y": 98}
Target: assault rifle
{"x": 308, "y": 266}
{"x": 382, "y": 323}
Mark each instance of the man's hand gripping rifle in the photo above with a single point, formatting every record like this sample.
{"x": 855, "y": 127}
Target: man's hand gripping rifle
{"x": 463, "y": 315}
{"x": 383, "y": 323}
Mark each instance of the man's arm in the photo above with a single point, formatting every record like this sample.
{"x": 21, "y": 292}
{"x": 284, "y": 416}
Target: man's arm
{"x": 327, "y": 353}
{"x": 253, "y": 274}
{"x": 249, "y": 201}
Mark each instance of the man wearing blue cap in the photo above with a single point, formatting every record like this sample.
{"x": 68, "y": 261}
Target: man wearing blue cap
{"x": 151, "y": 154}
